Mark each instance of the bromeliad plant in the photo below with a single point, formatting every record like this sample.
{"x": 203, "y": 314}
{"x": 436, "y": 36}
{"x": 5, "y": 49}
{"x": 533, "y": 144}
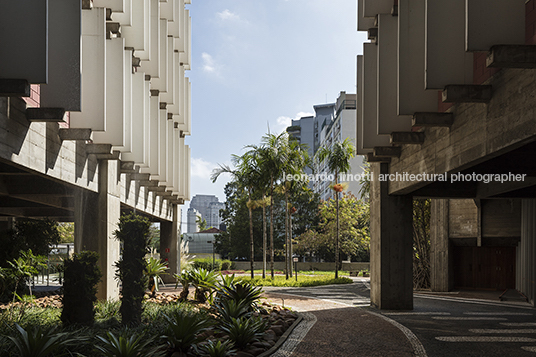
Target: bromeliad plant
{"x": 154, "y": 270}
{"x": 127, "y": 344}
{"x": 184, "y": 328}
{"x": 39, "y": 342}
{"x": 204, "y": 282}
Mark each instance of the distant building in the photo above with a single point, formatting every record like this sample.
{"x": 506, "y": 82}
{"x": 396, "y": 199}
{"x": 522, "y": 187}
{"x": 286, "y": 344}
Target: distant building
{"x": 200, "y": 244}
{"x": 332, "y": 122}
{"x": 208, "y": 208}
{"x": 192, "y": 218}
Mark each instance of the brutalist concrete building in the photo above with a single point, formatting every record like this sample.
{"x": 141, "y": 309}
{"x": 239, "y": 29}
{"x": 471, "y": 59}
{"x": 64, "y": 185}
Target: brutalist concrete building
{"x": 447, "y": 111}
{"x": 94, "y": 110}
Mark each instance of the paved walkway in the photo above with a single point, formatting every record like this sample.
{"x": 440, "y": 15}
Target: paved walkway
{"x": 334, "y": 327}
{"x": 466, "y": 323}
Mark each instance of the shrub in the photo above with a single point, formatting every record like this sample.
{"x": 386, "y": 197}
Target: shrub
{"x": 216, "y": 349}
{"x": 127, "y": 344}
{"x": 204, "y": 282}
{"x": 133, "y": 233}
{"x": 183, "y": 329}
{"x": 38, "y": 342}
{"x": 80, "y": 288}
{"x": 244, "y": 330}
{"x": 207, "y": 264}
{"x": 155, "y": 268}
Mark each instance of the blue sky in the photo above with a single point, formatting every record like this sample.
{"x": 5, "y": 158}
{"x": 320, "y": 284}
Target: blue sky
{"x": 258, "y": 64}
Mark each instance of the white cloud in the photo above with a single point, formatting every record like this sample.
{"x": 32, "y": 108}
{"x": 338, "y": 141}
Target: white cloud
{"x": 208, "y": 63}
{"x": 201, "y": 168}
{"x": 228, "y": 15}
{"x": 283, "y": 122}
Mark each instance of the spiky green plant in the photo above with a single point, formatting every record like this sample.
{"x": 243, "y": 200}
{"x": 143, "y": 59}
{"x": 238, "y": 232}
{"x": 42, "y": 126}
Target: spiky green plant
{"x": 39, "y": 342}
{"x": 183, "y": 329}
{"x": 154, "y": 269}
{"x": 243, "y": 331}
{"x": 127, "y": 344}
{"x": 204, "y": 281}
{"x": 216, "y": 349}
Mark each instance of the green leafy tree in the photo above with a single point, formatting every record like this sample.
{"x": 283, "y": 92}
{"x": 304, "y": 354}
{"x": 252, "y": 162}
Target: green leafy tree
{"x": 66, "y": 231}
{"x": 354, "y": 229}
{"x": 201, "y": 223}
{"x": 338, "y": 161}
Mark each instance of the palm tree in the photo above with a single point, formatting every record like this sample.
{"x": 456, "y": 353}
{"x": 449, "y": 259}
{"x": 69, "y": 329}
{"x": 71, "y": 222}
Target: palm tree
{"x": 296, "y": 159}
{"x": 271, "y": 156}
{"x": 338, "y": 161}
{"x": 246, "y": 175}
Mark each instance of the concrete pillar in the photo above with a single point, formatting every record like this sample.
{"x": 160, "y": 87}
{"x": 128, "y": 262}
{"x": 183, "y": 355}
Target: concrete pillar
{"x": 96, "y": 218}
{"x": 391, "y": 246}
{"x": 441, "y": 274}
{"x": 526, "y": 251}
{"x": 169, "y": 246}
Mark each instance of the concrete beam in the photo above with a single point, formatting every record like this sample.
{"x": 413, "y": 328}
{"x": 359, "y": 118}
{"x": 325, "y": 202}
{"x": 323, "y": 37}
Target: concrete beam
{"x": 431, "y": 119}
{"x": 512, "y": 56}
{"x": 14, "y": 88}
{"x": 45, "y": 114}
{"x": 372, "y": 34}
{"x": 141, "y": 177}
{"x": 74, "y": 134}
{"x": 148, "y": 183}
{"x": 114, "y": 155}
{"x": 113, "y": 30}
{"x": 410, "y": 137}
{"x": 127, "y": 167}
{"x": 466, "y": 93}
{"x": 371, "y": 158}
{"x": 98, "y": 149}
{"x": 387, "y": 151}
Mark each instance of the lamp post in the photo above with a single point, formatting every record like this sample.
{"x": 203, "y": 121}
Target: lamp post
{"x": 213, "y": 255}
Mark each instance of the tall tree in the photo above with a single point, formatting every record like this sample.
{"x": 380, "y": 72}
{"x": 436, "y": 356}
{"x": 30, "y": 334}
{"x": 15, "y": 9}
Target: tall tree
{"x": 338, "y": 161}
{"x": 271, "y": 154}
{"x": 246, "y": 174}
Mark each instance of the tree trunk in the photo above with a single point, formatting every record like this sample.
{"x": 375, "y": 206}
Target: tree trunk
{"x": 264, "y": 236}
{"x": 290, "y": 242}
{"x": 287, "y": 248}
{"x": 272, "y": 227}
{"x": 337, "y": 235}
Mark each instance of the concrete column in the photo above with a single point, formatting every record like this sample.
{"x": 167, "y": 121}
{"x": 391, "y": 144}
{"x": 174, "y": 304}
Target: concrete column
{"x": 526, "y": 251}
{"x": 169, "y": 246}
{"x": 96, "y": 218}
{"x": 391, "y": 248}
{"x": 441, "y": 275}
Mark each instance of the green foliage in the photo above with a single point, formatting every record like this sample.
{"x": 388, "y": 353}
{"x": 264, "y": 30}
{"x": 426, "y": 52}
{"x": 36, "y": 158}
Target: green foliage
{"x": 244, "y": 330}
{"x": 82, "y": 275}
{"x": 155, "y": 268}
{"x": 133, "y": 233}
{"x": 216, "y": 349}
{"x": 183, "y": 329}
{"x": 204, "y": 282}
{"x": 107, "y": 309}
{"x": 206, "y": 263}
{"x": 354, "y": 218}
{"x": 19, "y": 271}
{"x": 127, "y": 344}
{"x": 66, "y": 232}
{"x": 239, "y": 292}
{"x": 303, "y": 281}
{"x": 421, "y": 243}
{"x": 185, "y": 279}
{"x": 38, "y": 342}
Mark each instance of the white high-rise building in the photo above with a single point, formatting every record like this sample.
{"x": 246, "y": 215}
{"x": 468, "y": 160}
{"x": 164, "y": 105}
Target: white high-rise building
{"x": 208, "y": 208}
{"x": 332, "y": 122}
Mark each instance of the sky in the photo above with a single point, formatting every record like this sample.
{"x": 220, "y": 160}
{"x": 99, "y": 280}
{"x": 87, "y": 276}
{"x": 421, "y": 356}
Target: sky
{"x": 257, "y": 64}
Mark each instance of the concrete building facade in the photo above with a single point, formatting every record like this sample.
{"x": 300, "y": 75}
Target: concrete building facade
{"x": 446, "y": 111}
{"x": 94, "y": 110}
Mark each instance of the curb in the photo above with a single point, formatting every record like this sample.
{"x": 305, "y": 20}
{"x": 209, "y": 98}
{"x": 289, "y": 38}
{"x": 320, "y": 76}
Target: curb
{"x": 292, "y": 337}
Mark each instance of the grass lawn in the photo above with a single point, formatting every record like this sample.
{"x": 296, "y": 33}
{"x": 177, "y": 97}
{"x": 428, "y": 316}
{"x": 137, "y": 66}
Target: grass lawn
{"x": 303, "y": 281}
{"x": 306, "y": 272}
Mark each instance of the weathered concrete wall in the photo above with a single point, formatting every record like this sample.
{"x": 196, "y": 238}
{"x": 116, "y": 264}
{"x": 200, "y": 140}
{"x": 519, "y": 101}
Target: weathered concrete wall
{"x": 479, "y": 131}
{"x": 306, "y": 266}
{"x": 463, "y": 219}
{"x": 501, "y": 218}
